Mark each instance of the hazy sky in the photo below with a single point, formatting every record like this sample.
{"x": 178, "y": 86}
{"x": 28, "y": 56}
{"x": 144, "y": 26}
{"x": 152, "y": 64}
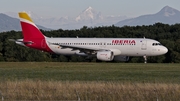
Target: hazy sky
{"x": 58, "y": 8}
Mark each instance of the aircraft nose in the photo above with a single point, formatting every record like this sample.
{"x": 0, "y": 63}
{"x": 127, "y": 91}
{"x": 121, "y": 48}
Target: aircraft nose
{"x": 164, "y": 50}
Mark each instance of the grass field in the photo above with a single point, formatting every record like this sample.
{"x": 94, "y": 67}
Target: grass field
{"x": 118, "y": 72}
{"x": 89, "y": 81}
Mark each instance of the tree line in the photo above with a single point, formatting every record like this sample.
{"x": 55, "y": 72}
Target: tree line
{"x": 168, "y": 35}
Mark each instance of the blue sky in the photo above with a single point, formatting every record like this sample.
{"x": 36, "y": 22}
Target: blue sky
{"x": 58, "y": 8}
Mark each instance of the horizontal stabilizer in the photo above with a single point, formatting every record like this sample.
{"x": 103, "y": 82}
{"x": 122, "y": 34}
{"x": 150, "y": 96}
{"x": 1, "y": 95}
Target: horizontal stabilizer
{"x": 13, "y": 40}
{"x": 21, "y": 40}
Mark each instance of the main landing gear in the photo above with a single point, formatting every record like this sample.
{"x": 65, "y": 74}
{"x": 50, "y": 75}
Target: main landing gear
{"x": 145, "y": 59}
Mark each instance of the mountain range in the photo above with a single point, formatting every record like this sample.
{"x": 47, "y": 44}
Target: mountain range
{"x": 91, "y": 18}
{"x": 166, "y": 15}
{"x": 88, "y": 17}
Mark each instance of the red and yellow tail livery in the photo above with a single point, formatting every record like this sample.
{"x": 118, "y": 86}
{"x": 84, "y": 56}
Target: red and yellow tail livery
{"x": 32, "y": 36}
{"x": 29, "y": 29}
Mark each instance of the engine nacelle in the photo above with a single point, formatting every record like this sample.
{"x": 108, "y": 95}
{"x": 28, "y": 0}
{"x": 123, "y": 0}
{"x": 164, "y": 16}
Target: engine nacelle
{"x": 105, "y": 55}
{"x": 121, "y": 58}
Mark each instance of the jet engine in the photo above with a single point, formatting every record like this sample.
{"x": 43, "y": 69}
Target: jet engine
{"x": 121, "y": 58}
{"x": 105, "y": 55}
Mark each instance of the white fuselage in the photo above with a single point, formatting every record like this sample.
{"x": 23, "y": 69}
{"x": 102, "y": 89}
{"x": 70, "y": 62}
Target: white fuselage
{"x": 120, "y": 46}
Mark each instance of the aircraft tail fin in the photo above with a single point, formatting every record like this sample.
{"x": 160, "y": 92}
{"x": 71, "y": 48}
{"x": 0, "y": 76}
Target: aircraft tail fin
{"x": 29, "y": 29}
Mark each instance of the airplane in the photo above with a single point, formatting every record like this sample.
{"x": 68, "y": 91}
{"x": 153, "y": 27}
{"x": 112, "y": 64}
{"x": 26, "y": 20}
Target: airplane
{"x": 104, "y": 49}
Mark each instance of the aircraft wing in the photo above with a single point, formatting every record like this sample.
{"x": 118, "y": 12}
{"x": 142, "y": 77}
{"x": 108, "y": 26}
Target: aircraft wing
{"x": 87, "y": 50}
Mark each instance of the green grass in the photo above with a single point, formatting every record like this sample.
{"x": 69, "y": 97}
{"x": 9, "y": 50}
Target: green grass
{"x": 115, "y": 72}
{"x": 89, "y": 81}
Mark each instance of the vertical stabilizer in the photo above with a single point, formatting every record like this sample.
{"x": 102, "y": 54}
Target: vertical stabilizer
{"x": 33, "y": 37}
{"x": 29, "y": 29}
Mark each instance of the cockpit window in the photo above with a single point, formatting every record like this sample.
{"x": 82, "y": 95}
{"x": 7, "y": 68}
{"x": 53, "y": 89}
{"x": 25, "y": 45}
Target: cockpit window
{"x": 156, "y": 44}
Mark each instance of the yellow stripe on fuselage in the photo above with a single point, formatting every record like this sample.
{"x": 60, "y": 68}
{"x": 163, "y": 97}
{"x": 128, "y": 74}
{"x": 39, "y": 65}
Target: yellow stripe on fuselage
{"x": 25, "y": 16}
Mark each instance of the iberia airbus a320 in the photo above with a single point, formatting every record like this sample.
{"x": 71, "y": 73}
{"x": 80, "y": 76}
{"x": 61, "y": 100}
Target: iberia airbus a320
{"x": 105, "y": 49}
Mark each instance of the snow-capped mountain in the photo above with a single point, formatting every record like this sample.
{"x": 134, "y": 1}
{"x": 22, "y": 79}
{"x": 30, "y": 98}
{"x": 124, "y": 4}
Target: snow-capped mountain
{"x": 167, "y": 15}
{"x": 89, "y": 14}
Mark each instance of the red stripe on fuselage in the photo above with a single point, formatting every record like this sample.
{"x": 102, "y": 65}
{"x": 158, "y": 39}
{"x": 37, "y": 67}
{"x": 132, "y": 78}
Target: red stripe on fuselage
{"x": 33, "y": 35}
